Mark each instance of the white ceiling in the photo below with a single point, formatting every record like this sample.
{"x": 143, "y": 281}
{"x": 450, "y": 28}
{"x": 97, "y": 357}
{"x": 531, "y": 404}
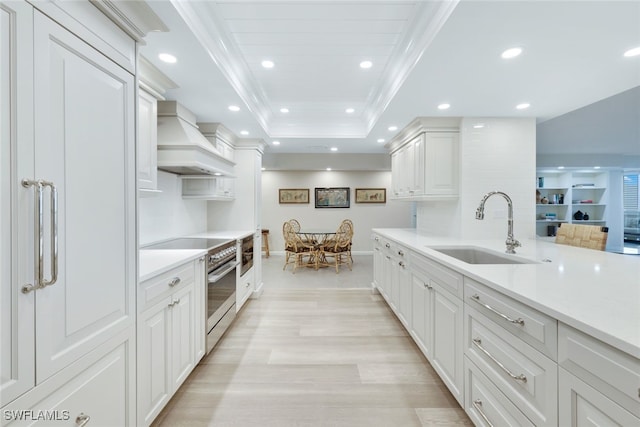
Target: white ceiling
{"x": 424, "y": 53}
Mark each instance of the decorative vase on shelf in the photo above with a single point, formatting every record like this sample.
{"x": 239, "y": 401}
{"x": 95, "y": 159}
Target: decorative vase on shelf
{"x": 578, "y": 216}
{"x": 585, "y": 217}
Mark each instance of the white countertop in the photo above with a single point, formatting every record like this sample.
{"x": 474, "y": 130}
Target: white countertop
{"x": 593, "y": 291}
{"x": 157, "y": 261}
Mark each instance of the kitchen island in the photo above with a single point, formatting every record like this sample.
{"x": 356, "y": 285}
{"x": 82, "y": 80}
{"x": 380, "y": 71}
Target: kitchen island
{"x": 536, "y": 342}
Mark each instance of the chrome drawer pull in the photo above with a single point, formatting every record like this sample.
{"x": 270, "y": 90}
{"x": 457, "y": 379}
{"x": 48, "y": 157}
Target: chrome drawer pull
{"x": 387, "y": 245}
{"x": 174, "y": 281}
{"x": 82, "y": 419}
{"x": 400, "y": 253}
{"x": 478, "y": 343}
{"x": 518, "y": 321}
{"x": 401, "y": 264}
{"x": 478, "y": 405}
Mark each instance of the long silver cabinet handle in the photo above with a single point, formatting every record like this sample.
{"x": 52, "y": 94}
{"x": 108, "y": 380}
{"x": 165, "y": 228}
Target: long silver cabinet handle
{"x": 478, "y": 343}
{"x": 54, "y": 234}
{"x": 39, "y": 236}
{"x": 478, "y": 405}
{"x": 174, "y": 281}
{"x": 82, "y": 419}
{"x": 518, "y": 321}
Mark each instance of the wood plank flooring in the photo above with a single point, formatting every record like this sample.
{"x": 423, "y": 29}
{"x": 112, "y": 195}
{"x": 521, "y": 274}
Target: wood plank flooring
{"x": 314, "y": 357}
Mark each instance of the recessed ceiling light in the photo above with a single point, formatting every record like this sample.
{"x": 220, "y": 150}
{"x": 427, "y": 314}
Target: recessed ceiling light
{"x": 217, "y": 173}
{"x": 244, "y": 132}
{"x": 276, "y": 142}
{"x": 267, "y": 63}
{"x": 478, "y": 126}
{"x": 334, "y": 148}
{"x": 596, "y": 167}
{"x": 511, "y": 53}
{"x": 366, "y": 64}
{"x": 168, "y": 58}
{"x": 560, "y": 167}
{"x": 284, "y": 110}
{"x": 234, "y": 108}
{"x": 443, "y": 106}
{"x": 349, "y": 110}
{"x": 264, "y": 169}
{"x": 380, "y": 141}
{"x": 632, "y": 52}
{"x": 392, "y": 128}
{"x": 328, "y": 169}
{"x": 523, "y": 106}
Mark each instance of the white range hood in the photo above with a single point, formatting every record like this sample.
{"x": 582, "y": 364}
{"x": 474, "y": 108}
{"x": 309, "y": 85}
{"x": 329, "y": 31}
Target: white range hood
{"x": 182, "y": 149}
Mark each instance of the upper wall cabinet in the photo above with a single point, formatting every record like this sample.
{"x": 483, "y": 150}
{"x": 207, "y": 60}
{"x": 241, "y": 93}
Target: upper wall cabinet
{"x": 152, "y": 86}
{"x": 424, "y": 160}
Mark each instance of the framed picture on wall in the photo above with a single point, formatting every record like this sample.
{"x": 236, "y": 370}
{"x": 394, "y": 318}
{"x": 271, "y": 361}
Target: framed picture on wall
{"x": 371, "y": 195}
{"x": 334, "y": 197}
{"x": 293, "y": 195}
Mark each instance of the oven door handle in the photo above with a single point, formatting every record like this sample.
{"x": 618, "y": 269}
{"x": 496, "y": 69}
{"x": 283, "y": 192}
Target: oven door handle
{"x": 212, "y": 278}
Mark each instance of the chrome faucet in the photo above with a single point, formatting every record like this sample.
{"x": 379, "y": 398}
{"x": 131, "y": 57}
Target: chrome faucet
{"x": 511, "y": 242}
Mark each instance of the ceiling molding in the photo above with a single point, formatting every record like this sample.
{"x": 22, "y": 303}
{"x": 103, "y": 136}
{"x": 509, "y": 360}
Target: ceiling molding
{"x": 136, "y": 18}
{"x": 202, "y": 19}
{"x": 152, "y": 79}
{"x": 427, "y": 22}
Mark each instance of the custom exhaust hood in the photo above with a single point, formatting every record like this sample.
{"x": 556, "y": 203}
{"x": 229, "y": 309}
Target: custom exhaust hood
{"x": 182, "y": 149}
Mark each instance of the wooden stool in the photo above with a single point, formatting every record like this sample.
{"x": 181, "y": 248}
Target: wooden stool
{"x": 265, "y": 241}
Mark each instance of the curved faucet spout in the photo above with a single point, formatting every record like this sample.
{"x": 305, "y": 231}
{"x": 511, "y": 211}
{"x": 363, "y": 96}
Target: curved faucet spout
{"x": 510, "y": 242}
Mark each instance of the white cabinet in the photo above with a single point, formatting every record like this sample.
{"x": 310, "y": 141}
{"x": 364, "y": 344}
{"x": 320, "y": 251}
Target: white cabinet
{"x": 244, "y": 286}
{"x": 86, "y": 150}
{"x": 170, "y": 335}
{"x": 147, "y": 141}
{"x": 208, "y": 188}
{"x": 200, "y": 309}
{"x": 422, "y": 295}
{"x": 425, "y": 159}
{"x": 597, "y": 381}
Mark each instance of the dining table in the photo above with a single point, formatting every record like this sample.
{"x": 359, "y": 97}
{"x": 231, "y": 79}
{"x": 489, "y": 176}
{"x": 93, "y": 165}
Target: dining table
{"x": 316, "y": 238}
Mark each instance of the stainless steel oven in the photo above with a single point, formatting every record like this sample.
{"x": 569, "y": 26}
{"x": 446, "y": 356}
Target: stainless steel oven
{"x": 246, "y": 254}
{"x": 223, "y": 260}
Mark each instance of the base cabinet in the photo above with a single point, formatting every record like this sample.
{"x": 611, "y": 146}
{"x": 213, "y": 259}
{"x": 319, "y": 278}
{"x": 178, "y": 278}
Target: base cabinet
{"x": 244, "y": 287}
{"x": 166, "y": 339}
{"x": 582, "y": 405}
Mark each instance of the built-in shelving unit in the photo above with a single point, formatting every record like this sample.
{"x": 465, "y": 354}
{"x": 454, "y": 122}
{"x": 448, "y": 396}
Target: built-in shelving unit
{"x": 566, "y": 192}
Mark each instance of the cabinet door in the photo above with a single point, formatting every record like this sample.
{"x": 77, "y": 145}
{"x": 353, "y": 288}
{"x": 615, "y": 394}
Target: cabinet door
{"x": 96, "y": 394}
{"x": 448, "y": 340}
{"x": 422, "y": 313}
{"x": 154, "y": 384}
{"x": 441, "y": 163}
{"x": 17, "y": 369}
{"x": 404, "y": 294}
{"x": 84, "y": 144}
{"x": 418, "y": 165}
{"x": 182, "y": 334}
{"x": 580, "y": 405}
{"x": 378, "y": 259}
{"x": 147, "y": 141}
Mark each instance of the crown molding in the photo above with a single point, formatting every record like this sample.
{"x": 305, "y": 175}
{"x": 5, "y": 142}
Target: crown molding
{"x": 218, "y": 131}
{"x": 429, "y": 18}
{"x": 136, "y": 18}
{"x": 421, "y": 125}
{"x": 152, "y": 80}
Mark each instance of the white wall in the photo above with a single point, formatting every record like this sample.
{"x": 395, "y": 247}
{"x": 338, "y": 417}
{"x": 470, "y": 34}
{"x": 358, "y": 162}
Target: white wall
{"x": 167, "y": 215}
{"x": 364, "y": 215}
{"x": 501, "y": 156}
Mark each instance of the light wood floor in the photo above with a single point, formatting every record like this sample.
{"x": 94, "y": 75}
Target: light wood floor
{"x": 314, "y": 357}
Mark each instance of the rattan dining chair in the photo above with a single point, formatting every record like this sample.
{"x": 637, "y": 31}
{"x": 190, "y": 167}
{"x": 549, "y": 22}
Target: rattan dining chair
{"x": 338, "y": 248}
{"x": 296, "y": 249}
{"x": 584, "y": 236}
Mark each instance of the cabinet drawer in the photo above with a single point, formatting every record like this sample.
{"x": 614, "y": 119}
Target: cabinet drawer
{"x": 525, "y": 375}
{"x": 486, "y": 405}
{"x": 153, "y": 290}
{"x": 535, "y": 328}
{"x": 612, "y": 372}
{"x": 450, "y": 280}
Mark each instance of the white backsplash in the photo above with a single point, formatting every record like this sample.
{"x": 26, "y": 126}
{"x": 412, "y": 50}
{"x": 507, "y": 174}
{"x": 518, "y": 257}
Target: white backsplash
{"x": 167, "y": 215}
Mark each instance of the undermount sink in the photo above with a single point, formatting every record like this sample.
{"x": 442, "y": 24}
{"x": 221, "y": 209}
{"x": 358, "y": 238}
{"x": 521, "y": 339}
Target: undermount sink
{"x": 476, "y": 255}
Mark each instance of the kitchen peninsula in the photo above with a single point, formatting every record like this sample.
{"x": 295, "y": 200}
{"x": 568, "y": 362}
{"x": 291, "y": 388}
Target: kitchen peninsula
{"x": 544, "y": 342}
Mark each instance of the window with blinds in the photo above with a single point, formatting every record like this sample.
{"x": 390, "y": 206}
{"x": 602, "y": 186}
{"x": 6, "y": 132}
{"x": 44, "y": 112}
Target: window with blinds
{"x": 630, "y": 192}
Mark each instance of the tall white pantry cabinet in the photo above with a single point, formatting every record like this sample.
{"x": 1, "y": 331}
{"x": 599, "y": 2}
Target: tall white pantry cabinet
{"x": 68, "y": 190}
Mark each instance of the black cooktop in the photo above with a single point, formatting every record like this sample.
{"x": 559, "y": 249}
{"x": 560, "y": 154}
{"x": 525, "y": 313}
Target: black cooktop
{"x": 190, "y": 243}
